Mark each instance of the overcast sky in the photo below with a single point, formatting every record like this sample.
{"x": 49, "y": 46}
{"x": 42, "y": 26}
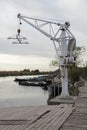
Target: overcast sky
{"x": 39, "y": 53}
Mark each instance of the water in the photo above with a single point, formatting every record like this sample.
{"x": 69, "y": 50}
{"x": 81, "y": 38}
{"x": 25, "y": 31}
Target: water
{"x": 13, "y": 94}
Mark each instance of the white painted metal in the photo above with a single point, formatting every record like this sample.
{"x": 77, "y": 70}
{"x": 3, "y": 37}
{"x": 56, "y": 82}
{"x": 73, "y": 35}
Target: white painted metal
{"x": 64, "y": 74}
{"x": 64, "y": 45}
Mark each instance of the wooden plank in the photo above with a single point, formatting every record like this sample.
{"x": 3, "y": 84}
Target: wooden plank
{"x": 55, "y": 119}
{"x": 78, "y": 119}
{"x": 43, "y": 123}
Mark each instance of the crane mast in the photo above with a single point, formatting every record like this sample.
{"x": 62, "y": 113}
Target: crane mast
{"x": 64, "y": 43}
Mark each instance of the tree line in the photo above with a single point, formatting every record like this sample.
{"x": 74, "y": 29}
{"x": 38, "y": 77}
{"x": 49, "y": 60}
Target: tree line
{"x": 78, "y": 70}
{"x": 22, "y": 72}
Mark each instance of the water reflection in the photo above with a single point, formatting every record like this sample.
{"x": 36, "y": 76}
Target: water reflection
{"x": 12, "y": 94}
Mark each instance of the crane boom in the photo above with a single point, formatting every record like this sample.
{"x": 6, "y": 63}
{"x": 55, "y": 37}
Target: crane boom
{"x": 49, "y": 35}
{"x": 42, "y": 20}
{"x": 37, "y": 27}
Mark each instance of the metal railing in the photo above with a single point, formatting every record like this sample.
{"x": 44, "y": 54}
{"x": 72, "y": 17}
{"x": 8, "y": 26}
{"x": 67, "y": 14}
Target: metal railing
{"x": 55, "y": 89}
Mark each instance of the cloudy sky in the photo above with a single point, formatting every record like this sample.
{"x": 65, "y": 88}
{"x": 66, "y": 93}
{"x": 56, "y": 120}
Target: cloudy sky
{"x": 39, "y": 53}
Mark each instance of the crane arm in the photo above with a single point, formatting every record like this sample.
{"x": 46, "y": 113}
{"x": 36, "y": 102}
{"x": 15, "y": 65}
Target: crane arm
{"x": 42, "y": 20}
{"x": 37, "y": 27}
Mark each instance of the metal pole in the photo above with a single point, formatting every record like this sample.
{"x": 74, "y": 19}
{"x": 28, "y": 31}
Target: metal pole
{"x": 64, "y": 73}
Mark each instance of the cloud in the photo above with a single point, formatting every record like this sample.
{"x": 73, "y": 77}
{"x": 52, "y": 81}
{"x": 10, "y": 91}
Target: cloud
{"x": 61, "y": 10}
{"x": 12, "y": 62}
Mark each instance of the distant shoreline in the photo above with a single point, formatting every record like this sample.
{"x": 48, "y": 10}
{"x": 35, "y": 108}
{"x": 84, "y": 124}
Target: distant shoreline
{"x": 22, "y": 73}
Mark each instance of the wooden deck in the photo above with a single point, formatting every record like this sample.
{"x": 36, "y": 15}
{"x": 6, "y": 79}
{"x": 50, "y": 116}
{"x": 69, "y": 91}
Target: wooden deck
{"x": 78, "y": 119}
{"x": 34, "y": 118}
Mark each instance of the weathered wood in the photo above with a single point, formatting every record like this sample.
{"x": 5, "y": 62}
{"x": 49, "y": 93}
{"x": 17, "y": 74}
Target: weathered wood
{"x": 50, "y": 119}
{"x": 34, "y": 118}
{"x": 78, "y": 119}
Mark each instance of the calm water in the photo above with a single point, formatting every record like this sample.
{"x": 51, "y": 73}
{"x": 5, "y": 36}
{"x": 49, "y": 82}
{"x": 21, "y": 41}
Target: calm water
{"x": 12, "y": 94}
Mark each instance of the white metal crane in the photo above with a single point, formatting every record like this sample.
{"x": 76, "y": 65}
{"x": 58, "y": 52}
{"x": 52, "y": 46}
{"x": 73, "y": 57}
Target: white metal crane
{"x": 63, "y": 40}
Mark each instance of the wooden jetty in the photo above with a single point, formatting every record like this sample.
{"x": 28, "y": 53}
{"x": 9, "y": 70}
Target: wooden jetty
{"x": 34, "y": 118}
{"x": 78, "y": 119}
